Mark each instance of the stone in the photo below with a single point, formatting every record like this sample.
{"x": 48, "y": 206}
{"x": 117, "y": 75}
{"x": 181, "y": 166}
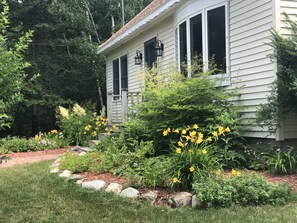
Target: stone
{"x": 94, "y": 185}
{"x": 55, "y": 170}
{"x": 180, "y": 200}
{"x": 82, "y": 153}
{"x": 149, "y": 196}
{"x": 195, "y": 201}
{"x": 75, "y": 177}
{"x": 93, "y": 142}
{"x": 130, "y": 192}
{"x": 81, "y": 149}
{"x": 79, "y": 182}
{"x": 65, "y": 173}
{"x": 57, "y": 161}
{"x": 114, "y": 188}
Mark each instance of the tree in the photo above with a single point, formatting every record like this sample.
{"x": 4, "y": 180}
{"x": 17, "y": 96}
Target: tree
{"x": 13, "y": 78}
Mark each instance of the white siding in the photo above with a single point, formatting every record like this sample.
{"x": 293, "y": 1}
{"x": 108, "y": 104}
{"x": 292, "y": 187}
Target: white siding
{"x": 163, "y": 31}
{"x": 252, "y": 71}
{"x": 289, "y": 7}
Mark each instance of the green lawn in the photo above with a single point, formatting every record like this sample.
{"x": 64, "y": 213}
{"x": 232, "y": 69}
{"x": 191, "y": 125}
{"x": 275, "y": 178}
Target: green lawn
{"x": 31, "y": 194}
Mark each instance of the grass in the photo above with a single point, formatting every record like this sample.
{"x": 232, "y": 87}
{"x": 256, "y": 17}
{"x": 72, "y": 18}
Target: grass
{"x": 29, "y": 193}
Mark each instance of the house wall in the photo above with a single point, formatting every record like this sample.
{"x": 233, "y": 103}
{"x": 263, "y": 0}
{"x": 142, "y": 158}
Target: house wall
{"x": 252, "y": 71}
{"x": 163, "y": 31}
{"x": 289, "y": 7}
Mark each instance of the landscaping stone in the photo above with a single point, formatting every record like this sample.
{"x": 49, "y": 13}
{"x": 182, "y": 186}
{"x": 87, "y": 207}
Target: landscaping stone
{"x": 79, "y": 182}
{"x": 114, "y": 188}
{"x": 81, "y": 149}
{"x": 55, "y": 170}
{"x": 94, "y": 185}
{"x": 93, "y": 142}
{"x": 75, "y": 177}
{"x": 57, "y": 161}
{"x": 195, "y": 201}
{"x": 82, "y": 153}
{"x": 130, "y": 192}
{"x": 149, "y": 196}
{"x": 179, "y": 200}
{"x": 65, "y": 173}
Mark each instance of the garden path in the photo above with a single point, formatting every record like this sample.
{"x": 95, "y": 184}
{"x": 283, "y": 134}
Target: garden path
{"x": 32, "y": 157}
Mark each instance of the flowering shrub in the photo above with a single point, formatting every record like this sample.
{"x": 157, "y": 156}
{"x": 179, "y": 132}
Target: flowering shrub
{"x": 193, "y": 153}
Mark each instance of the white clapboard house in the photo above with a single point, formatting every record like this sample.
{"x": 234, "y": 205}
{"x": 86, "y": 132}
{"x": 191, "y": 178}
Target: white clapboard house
{"x": 171, "y": 32}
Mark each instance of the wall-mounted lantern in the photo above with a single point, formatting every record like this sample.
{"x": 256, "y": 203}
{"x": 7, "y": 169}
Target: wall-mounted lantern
{"x": 138, "y": 58}
{"x": 159, "y": 47}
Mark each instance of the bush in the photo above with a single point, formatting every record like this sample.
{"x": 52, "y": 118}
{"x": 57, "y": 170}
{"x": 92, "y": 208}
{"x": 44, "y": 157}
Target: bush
{"x": 242, "y": 189}
{"x": 76, "y": 163}
{"x": 171, "y": 100}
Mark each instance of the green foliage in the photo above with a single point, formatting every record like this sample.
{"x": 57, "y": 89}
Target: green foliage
{"x": 76, "y": 163}
{"x": 246, "y": 189}
{"x": 283, "y": 161}
{"x": 73, "y": 123}
{"x": 283, "y": 98}
{"x": 15, "y": 144}
{"x": 172, "y": 100}
{"x": 13, "y": 78}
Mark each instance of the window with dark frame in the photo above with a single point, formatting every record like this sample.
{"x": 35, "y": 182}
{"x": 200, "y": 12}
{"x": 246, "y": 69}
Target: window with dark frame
{"x": 196, "y": 36}
{"x": 120, "y": 75}
{"x": 183, "y": 48}
{"x": 217, "y": 37}
{"x": 150, "y": 57}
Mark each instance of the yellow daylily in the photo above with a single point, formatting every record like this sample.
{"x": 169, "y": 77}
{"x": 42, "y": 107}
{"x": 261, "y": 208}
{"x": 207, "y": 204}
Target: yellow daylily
{"x": 195, "y": 126}
{"x": 192, "y": 169}
{"x": 178, "y": 150}
{"x": 180, "y": 144}
{"x": 204, "y": 151}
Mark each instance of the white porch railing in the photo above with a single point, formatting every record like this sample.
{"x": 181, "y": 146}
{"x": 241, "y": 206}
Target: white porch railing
{"x": 119, "y": 106}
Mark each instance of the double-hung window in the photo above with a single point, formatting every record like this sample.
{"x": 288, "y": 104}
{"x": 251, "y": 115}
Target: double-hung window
{"x": 203, "y": 36}
{"x": 120, "y": 75}
{"x": 150, "y": 57}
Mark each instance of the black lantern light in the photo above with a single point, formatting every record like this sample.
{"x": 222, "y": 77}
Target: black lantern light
{"x": 159, "y": 47}
{"x": 138, "y": 58}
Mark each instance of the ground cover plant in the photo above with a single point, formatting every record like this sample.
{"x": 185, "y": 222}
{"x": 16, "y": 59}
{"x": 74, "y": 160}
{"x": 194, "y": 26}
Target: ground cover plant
{"x": 41, "y": 141}
{"x": 30, "y": 193}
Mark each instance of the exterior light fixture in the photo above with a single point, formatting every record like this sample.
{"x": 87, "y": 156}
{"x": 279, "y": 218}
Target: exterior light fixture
{"x": 138, "y": 58}
{"x": 159, "y": 47}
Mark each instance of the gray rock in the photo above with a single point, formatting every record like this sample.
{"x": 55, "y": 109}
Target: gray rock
{"x": 75, "y": 177}
{"x": 55, "y": 170}
{"x": 94, "y": 185}
{"x": 114, "y": 188}
{"x": 82, "y": 153}
{"x": 79, "y": 182}
{"x": 179, "y": 200}
{"x": 150, "y": 196}
{"x": 81, "y": 149}
{"x": 130, "y": 192}
{"x": 93, "y": 142}
{"x": 65, "y": 173}
{"x": 195, "y": 201}
{"x": 57, "y": 161}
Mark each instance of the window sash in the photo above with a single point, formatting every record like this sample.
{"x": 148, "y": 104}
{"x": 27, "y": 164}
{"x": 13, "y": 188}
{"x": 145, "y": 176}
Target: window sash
{"x": 150, "y": 56}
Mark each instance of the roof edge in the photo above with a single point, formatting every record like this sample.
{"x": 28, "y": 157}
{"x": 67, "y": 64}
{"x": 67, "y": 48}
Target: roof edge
{"x": 134, "y": 28}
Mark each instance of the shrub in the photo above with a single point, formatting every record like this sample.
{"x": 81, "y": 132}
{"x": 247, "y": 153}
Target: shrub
{"x": 242, "y": 189}
{"x": 283, "y": 162}
{"x": 176, "y": 101}
{"x": 76, "y": 163}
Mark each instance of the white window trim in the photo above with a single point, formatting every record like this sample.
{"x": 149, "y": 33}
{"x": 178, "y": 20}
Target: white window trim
{"x": 225, "y": 78}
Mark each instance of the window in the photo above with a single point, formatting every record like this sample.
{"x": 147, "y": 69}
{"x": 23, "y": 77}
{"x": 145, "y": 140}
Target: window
{"x": 183, "y": 48}
{"x": 120, "y": 75}
{"x": 150, "y": 57}
{"x": 204, "y": 36}
{"x": 216, "y": 37}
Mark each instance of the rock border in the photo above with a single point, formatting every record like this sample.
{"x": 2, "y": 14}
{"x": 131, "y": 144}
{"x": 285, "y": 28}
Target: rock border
{"x": 177, "y": 200}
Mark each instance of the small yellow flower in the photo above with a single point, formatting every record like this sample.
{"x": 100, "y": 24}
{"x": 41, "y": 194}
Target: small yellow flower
{"x": 215, "y": 134}
{"x": 227, "y": 129}
{"x": 36, "y": 137}
{"x": 193, "y": 133}
{"x": 209, "y": 139}
{"x": 178, "y": 150}
{"x": 97, "y": 143}
{"x": 218, "y": 172}
{"x": 233, "y": 172}
{"x": 94, "y": 133}
{"x": 191, "y": 151}
{"x": 184, "y": 132}
{"x": 169, "y": 129}
{"x": 192, "y": 169}
{"x": 54, "y": 131}
{"x": 221, "y": 130}
{"x": 188, "y": 138}
{"x": 195, "y": 126}
{"x": 236, "y": 173}
{"x": 180, "y": 144}
{"x": 176, "y": 131}
{"x": 165, "y": 132}
{"x": 85, "y": 133}
{"x": 204, "y": 151}
{"x": 175, "y": 180}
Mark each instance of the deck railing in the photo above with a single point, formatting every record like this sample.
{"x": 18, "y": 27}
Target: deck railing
{"x": 120, "y": 106}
